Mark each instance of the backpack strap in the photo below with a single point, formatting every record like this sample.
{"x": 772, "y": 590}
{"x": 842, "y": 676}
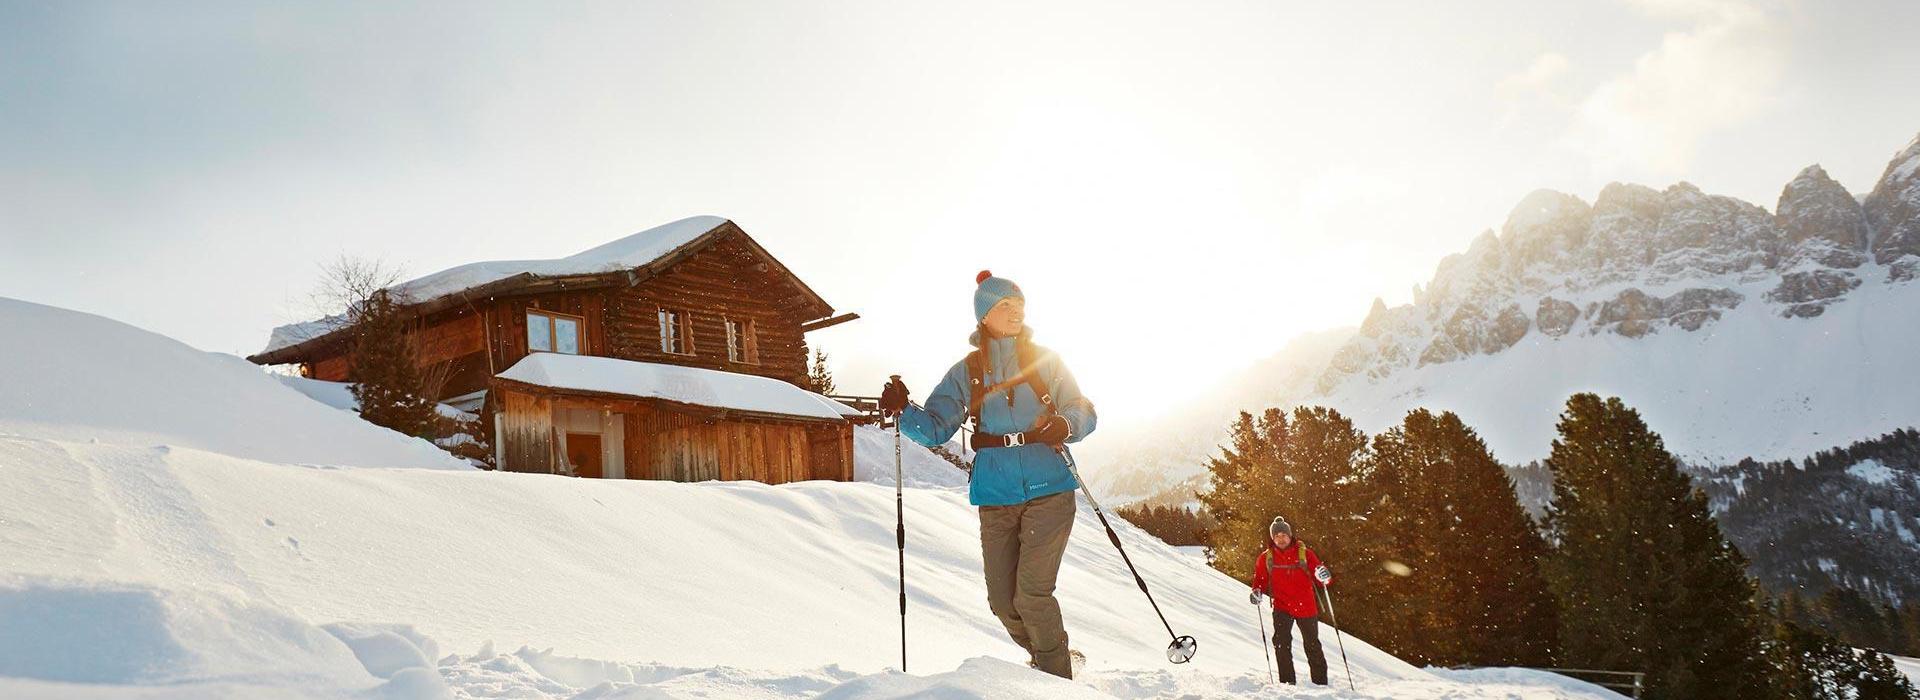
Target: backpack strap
{"x": 976, "y": 385}
{"x": 1030, "y": 366}
{"x": 1029, "y": 373}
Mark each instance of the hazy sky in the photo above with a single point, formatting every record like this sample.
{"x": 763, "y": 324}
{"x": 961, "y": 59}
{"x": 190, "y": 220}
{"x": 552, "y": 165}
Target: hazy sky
{"x": 1180, "y": 187}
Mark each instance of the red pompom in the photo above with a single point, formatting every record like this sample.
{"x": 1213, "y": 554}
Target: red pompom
{"x": 982, "y": 277}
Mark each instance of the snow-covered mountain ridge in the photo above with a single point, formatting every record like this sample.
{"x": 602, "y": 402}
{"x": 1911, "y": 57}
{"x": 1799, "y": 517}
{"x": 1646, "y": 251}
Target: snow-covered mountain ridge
{"x": 1639, "y": 261}
{"x": 1737, "y": 332}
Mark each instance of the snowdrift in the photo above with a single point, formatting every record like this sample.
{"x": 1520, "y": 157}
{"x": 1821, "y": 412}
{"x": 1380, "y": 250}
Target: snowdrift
{"x": 79, "y": 377}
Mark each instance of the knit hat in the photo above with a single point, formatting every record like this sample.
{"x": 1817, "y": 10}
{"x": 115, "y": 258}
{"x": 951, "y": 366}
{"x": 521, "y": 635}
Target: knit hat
{"x": 1279, "y": 525}
{"x": 991, "y": 290}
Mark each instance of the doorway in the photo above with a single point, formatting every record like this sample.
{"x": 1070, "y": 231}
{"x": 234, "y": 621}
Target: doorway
{"x": 583, "y": 452}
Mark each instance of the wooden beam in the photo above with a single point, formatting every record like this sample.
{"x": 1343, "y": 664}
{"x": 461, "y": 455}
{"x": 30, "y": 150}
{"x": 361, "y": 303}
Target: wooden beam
{"x": 815, "y": 325}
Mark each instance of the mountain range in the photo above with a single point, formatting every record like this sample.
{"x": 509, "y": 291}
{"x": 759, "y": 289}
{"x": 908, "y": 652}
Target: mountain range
{"x": 1744, "y": 336}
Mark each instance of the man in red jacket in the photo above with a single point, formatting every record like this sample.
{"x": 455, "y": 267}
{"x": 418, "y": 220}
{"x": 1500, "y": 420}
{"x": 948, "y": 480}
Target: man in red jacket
{"x": 1286, "y": 573}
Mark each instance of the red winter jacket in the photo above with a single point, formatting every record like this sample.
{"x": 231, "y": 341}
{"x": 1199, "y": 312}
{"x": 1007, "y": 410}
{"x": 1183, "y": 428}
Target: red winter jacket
{"x": 1288, "y": 576}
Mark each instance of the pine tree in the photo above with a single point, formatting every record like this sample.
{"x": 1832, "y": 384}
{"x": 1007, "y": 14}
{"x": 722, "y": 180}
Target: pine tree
{"x": 1473, "y": 592}
{"x": 1243, "y": 477}
{"x": 1910, "y": 628}
{"x": 1849, "y": 615}
{"x": 1311, "y": 467}
{"x": 383, "y": 368}
{"x": 1816, "y": 666}
{"x": 819, "y": 378}
{"x": 1644, "y": 579}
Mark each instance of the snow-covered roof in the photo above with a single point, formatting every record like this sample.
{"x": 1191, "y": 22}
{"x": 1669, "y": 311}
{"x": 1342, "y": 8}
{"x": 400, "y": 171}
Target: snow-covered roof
{"x": 621, "y": 254}
{"x": 625, "y": 253}
{"x": 692, "y": 385}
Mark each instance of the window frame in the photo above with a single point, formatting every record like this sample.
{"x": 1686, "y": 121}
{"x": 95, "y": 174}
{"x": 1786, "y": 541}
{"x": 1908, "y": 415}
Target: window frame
{"x": 553, "y": 332}
{"x": 741, "y": 333}
{"x": 685, "y": 335}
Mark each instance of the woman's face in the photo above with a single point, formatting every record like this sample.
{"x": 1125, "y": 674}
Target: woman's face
{"x": 1006, "y": 318}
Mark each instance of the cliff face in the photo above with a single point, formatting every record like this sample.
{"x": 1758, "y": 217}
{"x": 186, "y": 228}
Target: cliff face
{"x": 1639, "y": 261}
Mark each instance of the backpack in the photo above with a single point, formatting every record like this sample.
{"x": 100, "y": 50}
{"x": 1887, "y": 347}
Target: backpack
{"x": 1026, "y": 357}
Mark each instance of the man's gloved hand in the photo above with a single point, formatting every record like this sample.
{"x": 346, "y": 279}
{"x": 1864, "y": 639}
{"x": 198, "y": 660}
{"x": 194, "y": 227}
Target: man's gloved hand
{"x": 1322, "y": 574}
{"x": 1256, "y": 597}
{"x": 1054, "y": 432}
{"x": 893, "y": 397}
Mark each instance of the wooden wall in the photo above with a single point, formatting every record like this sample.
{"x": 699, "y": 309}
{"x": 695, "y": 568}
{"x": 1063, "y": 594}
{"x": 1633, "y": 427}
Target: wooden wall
{"x": 679, "y": 446}
{"x": 526, "y": 432}
{"x": 506, "y": 320}
{"x": 723, "y": 281}
{"x": 676, "y": 445}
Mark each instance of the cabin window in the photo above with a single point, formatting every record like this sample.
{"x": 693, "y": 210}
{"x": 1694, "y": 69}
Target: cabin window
{"x": 553, "y": 332}
{"x": 742, "y": 346}
{"x": 673, "y": 332}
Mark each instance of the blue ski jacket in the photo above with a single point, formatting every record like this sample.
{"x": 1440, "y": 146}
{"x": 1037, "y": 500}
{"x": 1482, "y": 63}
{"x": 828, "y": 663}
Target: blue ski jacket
{"x": 1005, "y": 476}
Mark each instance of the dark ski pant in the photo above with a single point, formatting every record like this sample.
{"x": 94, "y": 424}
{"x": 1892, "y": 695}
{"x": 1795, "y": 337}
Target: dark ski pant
{"x": 1021, "y": 547}
{"x": 1309, "y": 638}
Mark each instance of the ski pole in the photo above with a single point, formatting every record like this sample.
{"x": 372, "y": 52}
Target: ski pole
{"x": 900, "y": 535}
{"x": 1335, "y": 619}
{"x": 1266, "y": 645}
{"x": 1183, "y": 647}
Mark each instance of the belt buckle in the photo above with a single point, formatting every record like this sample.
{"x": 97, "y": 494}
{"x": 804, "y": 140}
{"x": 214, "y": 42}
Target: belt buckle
{"x": 1015, "y": 439}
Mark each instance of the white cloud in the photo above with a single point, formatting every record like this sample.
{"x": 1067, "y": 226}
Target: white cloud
{"x": 1721, "y": 71}
{"x": 1539, "y": 78}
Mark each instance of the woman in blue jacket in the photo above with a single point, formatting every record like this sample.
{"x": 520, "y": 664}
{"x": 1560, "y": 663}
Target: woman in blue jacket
{"x": 1026, "y": 408}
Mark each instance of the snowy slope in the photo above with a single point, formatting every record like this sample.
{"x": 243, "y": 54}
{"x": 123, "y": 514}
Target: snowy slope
{"x": 1164, "y": 462}
{"x": 1909, "y": 666}
{"x": 795, "y": 582}
{"x": 1753, "y": 384}
{"x": 146, "y": 565}
{"x": 79, "y": 377}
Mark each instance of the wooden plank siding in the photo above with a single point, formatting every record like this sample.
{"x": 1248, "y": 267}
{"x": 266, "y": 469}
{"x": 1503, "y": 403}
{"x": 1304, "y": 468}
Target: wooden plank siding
{"x": 678, "y": 443}
{"x": 720, "y": 282}
{"x": 506, "y": 321}
{"x": 526, "y": 432}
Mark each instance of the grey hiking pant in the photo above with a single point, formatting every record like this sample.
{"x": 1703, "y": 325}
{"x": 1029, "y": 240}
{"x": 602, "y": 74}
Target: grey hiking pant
{"x": 1021, "y": 547}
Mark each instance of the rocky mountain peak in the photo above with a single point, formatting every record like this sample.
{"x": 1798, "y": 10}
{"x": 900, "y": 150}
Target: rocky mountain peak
{"x": 1815, "y": 208}
{"x": 1893, "y": 214}
{"x": 1641, "y": 261}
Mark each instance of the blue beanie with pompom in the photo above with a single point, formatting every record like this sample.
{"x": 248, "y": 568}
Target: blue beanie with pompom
{"x": 991, "y": 290}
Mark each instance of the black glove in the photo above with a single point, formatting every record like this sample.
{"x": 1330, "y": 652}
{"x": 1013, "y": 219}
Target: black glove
{"x": 1055, "y": 432}
{"x": 893, "y": 398}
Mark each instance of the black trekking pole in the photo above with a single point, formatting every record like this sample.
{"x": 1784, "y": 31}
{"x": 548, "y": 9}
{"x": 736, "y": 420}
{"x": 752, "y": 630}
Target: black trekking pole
{"x": 900, "y": 534}
{"x": 1183, "y": 647}
{"x": 1266, "y": 645}
{"x": 1335, "y": 619}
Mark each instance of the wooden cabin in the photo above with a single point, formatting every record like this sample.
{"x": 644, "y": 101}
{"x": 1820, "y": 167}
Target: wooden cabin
{"x": 675, "y": 353}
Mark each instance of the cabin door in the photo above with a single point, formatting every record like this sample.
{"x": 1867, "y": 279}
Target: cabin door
{"x": 583, "y": 452}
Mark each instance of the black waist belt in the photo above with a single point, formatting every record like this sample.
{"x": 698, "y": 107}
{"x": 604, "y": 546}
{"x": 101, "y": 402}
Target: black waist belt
{"x": 988, "y": 441}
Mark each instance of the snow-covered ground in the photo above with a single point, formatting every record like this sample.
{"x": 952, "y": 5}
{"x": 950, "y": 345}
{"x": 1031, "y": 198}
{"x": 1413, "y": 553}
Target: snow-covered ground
{"x": 1909, "y": 666}
{"x": 78, "y": 377}
{"x": 168, "y": 570}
